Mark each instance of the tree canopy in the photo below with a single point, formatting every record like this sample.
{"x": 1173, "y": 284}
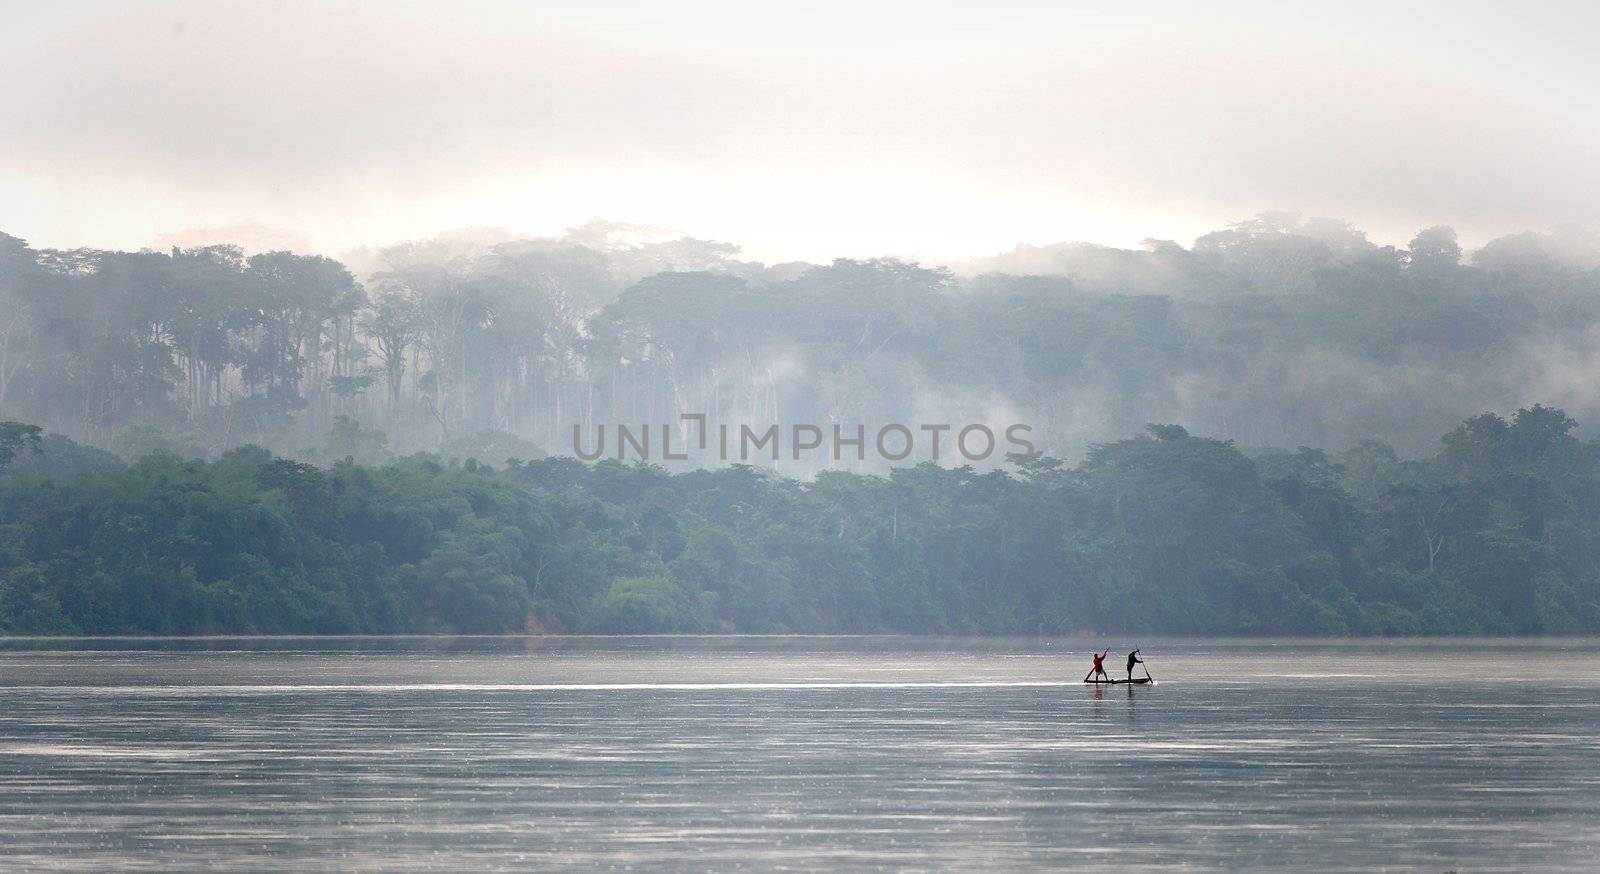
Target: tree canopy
{"x": 1276, "y": 331}
{"x": 1164, "y": 532}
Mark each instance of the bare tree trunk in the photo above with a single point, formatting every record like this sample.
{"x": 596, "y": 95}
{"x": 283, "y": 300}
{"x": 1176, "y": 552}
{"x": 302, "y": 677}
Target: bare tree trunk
{"x": 1433, "y": 542}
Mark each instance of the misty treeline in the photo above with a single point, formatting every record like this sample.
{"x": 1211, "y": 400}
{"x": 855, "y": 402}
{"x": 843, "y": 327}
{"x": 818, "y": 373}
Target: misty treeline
{"x": 1277, "y": 331}
{"x": 1497, "y": 532}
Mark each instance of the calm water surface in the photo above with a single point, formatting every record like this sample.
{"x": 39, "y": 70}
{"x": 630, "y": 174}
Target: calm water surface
{"x": 774, "y": 753}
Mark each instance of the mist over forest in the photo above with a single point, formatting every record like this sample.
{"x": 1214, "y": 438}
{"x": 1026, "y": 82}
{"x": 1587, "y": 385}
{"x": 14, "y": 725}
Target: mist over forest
{"x": 211, "y": 440}
{"x": 594, "y": 434}
{"x": 1274, "y": 332}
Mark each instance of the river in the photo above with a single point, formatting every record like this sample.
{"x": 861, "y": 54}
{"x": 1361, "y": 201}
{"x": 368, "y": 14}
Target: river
{"x": 767, "y": 753}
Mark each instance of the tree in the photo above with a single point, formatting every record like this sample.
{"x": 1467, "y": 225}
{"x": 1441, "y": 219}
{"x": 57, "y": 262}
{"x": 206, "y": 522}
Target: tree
{"x": 208, "y": 304}
{"x": 14, "y": 438}
{"x": 393, "y": 321}
{"x": 301, "y": 302}
{"x": 21, "y": 281}
{"x": 1434, "y": 249}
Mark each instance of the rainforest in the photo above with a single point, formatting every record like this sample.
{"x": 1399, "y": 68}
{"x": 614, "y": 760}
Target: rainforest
{"x": 1283, "y": 429}
{"x": 1164, "y": 532}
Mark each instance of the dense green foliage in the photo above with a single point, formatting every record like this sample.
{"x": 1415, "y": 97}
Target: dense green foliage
{"x": 1274, "y": 332}
{"x": 1166, "y": 532}
{"x": 15, "y": 437}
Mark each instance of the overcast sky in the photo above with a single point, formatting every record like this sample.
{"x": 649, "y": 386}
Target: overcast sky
{"x": 927, "y": 129}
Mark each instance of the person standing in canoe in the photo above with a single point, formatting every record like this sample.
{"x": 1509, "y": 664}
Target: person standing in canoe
{"x": 1099, "y": 665}
{"x": 1133, "y": 659}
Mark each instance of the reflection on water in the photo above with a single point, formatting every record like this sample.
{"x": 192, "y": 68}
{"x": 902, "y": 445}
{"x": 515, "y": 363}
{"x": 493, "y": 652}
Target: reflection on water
{"x": 769, "y": 753}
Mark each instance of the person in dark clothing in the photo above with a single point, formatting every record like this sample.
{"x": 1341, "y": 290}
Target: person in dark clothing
{"x": 1099, "y": 666}
{"x": 1133, "y": 659}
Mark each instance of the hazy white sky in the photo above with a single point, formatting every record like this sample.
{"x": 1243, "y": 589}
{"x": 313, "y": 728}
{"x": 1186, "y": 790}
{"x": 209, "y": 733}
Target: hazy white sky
{"x": 929, "y": 129}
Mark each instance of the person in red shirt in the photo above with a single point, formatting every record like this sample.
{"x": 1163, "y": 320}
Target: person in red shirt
{"x": 1099, "y": 659}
